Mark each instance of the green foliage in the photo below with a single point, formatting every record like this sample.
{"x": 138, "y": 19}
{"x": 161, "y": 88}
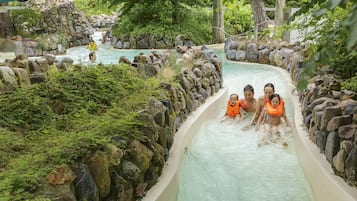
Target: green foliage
{"x": 296, "y": 4}
{"x": 11, "y": 145}
{"x": 63, "y": 39}
{"x": 64, "y": 120}
{"x": 95, "y": 7}
{"x": 164, "y": 19}
{"x": 24, "y": 19}
{"x": 350, "y": 84}
{"x": 23, "y": 176}
{"x": 333, "y": 41}
{"x": 23, "y": 110}
{"x": 197, "y": 26}
{"x": 237, "y": 18}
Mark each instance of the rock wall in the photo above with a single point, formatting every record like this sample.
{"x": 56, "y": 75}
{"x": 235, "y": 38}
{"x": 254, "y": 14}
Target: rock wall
{"x": 149, "y": 42}
{"x": 126, "y": 171}
{"x": 330, "y": 113}
{"x": 44, "y": 29}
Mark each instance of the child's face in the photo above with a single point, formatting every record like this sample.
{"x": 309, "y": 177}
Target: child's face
{"x": 248, "y": 95}
{"x": 275, "y": 101}
{"x": 233, "y": 100}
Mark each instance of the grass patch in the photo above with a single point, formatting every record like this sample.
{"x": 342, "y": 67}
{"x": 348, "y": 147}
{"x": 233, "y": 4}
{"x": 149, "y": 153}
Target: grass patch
{"x": 64, "y": 120}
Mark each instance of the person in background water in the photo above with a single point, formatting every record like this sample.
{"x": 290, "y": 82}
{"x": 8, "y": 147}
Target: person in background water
{"x": 92, "y": 46}
{"x": 270, "y": 123}
{"x": 248, "y": 103}
{"x": 104, "y": 38}
{"x": 92, "y": 57}
{"x": 268, "y": 91}
{"x": 233, "y": 109}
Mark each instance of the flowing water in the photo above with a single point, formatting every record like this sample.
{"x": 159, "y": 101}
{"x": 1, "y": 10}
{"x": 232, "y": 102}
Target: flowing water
{"x": 223, "y": 163}
{"x": 106, "y": 54}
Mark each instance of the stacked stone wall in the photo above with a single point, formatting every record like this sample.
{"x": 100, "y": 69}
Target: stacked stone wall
{"x": 126, "y": 170}
{"x": 329, "y": 112}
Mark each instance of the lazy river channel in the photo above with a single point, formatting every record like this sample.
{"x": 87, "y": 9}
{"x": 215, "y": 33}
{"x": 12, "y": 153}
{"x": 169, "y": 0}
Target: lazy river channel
{"x": 223, "y": 162}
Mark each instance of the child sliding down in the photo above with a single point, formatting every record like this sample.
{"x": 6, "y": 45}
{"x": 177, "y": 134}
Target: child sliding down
{"x": 233, "y": 113}
{"x": 270, "y": 124}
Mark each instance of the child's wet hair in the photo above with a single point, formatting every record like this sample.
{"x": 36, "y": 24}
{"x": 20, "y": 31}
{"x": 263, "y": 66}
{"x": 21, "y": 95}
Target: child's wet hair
{"x": 273, "y": 96}
{"x": 91, "y": 54}
{"x": 236, "y": 95}
{"x": 248, "y": 87}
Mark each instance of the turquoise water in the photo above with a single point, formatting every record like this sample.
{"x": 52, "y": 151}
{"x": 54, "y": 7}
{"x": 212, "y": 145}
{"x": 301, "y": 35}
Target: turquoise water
{"x": 223, "y": 163}
{"x": 106, "y": 54}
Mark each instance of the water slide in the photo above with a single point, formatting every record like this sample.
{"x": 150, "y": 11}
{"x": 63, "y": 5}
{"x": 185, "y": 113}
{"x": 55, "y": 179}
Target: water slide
{"x": 211, "y": 161}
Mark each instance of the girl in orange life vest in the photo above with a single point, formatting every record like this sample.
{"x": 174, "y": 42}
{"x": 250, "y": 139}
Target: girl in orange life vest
{"x": 271, "y": 118}
{"x": 233, "y": 109}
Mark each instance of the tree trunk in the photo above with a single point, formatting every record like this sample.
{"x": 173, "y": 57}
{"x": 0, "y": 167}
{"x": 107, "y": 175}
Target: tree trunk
{"x": 260, "y": 17}
{"x": 175, "y": 19}
{"x": 5, "y": 24}
{"x": 218, "y": 22}
{"x": 279, "y": 15}
{"x": 279, "y": 12}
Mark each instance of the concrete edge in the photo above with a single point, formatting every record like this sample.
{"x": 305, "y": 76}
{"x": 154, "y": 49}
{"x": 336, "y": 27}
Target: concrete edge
{"x": 166, "y": 189}
{"x": 325, "y": 185}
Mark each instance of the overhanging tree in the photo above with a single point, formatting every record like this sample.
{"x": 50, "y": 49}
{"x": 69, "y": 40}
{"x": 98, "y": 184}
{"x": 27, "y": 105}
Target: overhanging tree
{"x": 336, "y": 41}
{"x": 260, "y": 18}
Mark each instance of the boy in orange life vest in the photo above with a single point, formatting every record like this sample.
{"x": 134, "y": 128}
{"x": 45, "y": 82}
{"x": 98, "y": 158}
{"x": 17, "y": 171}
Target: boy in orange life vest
{"x": 233, "y": 109}
{"x": 271, "y": 119}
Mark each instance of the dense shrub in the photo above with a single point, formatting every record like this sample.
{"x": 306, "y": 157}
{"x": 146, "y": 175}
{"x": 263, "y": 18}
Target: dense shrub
{"x": 63, "y": 120}
{"x": 195, "y": 24}
{"x": 237, "y": 18}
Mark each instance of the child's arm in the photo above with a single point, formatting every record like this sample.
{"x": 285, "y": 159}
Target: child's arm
{"x": 225, "y": 115}
{"x": 241, "y": 117}
{"x": 261, "y": 118}
{"x": 286, "y": 118}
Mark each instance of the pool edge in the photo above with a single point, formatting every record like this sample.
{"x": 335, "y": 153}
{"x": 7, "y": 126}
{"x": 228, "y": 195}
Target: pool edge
{"x": 166, "y": 189}
{"x": 325, "y": 185}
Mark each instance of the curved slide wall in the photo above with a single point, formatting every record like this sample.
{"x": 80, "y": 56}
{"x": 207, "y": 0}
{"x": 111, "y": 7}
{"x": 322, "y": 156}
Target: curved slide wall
{"x": 167, "y": 187}
{"x": 325, "y": 185}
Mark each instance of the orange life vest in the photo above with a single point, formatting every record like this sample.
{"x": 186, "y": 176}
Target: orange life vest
{"x": 275, "y": 111}
{"x": 232, "y": 110}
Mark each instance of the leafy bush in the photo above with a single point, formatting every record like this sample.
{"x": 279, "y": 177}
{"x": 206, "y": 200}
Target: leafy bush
{"x": 237, "y": 18}
{"x": 329, "y": 42}
{"x": 64, "y": 120}
{"x": 350, "y": 84}
{"x": 24, "y": 110}
{"x": 194, "y": 23}
{"x": 95, "y": 7}
{"x": 24, "y": 19}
